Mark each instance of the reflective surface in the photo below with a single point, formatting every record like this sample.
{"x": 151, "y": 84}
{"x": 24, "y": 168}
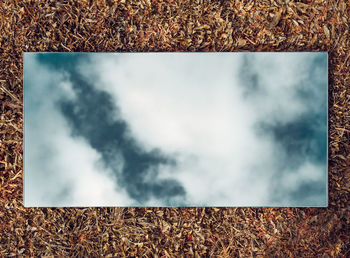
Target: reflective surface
{"x": 175, "y": 129}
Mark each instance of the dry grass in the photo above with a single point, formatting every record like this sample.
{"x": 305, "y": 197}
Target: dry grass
{"x": 108, "y": 26}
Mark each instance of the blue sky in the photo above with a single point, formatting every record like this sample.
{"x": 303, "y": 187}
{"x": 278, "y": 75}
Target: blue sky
{"x": 175, "y": 129}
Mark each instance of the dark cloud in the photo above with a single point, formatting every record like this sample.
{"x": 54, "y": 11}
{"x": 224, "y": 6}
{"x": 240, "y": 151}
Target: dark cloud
{"x": 309, "y": 193}
{"x": 62, "y": 61}
{"x": 304, "y": 138}
{"x": 300, "y": 140}
{"x": 90, "y": 116}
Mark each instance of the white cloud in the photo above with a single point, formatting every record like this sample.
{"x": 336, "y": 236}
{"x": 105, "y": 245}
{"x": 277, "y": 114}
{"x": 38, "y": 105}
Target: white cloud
{"x": 192, "y": 106}
{"x": 59, "y": 170}
{"x": 307, "y": 172}
{"x": 280, "y": 76}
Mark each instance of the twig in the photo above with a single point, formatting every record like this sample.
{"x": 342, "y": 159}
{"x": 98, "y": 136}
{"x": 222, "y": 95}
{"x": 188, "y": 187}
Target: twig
{"x": 10, "y": 94}
{"x": 66, "y": 47}
{"x": 346, "y": 59}
{"x": 343, "y": 129}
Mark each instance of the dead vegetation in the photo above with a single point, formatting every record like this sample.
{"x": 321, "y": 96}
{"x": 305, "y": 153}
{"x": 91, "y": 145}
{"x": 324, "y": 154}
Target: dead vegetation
{"x": 168, "y": 25}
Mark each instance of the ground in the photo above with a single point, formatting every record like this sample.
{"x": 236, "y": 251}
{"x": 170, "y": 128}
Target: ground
{"x": 133, "y": 26}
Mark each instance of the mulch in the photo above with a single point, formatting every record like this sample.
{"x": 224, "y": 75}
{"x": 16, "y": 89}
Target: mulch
{"x": 169, "y": 25}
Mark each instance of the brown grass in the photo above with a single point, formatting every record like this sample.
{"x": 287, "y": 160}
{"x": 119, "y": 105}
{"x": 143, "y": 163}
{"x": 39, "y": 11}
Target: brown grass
{"x": 108, "y": 26}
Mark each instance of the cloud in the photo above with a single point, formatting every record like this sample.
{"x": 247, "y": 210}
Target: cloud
{"x": 219, "y": 126}
{"x": 213, "y": 129}
{"x": 59, "y": 170}
{"x": 196, "y": 124}
{"x": 294, "y": 106}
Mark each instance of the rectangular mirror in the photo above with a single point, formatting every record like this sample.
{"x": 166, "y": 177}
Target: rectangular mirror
{"x": 175, "y": 129}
